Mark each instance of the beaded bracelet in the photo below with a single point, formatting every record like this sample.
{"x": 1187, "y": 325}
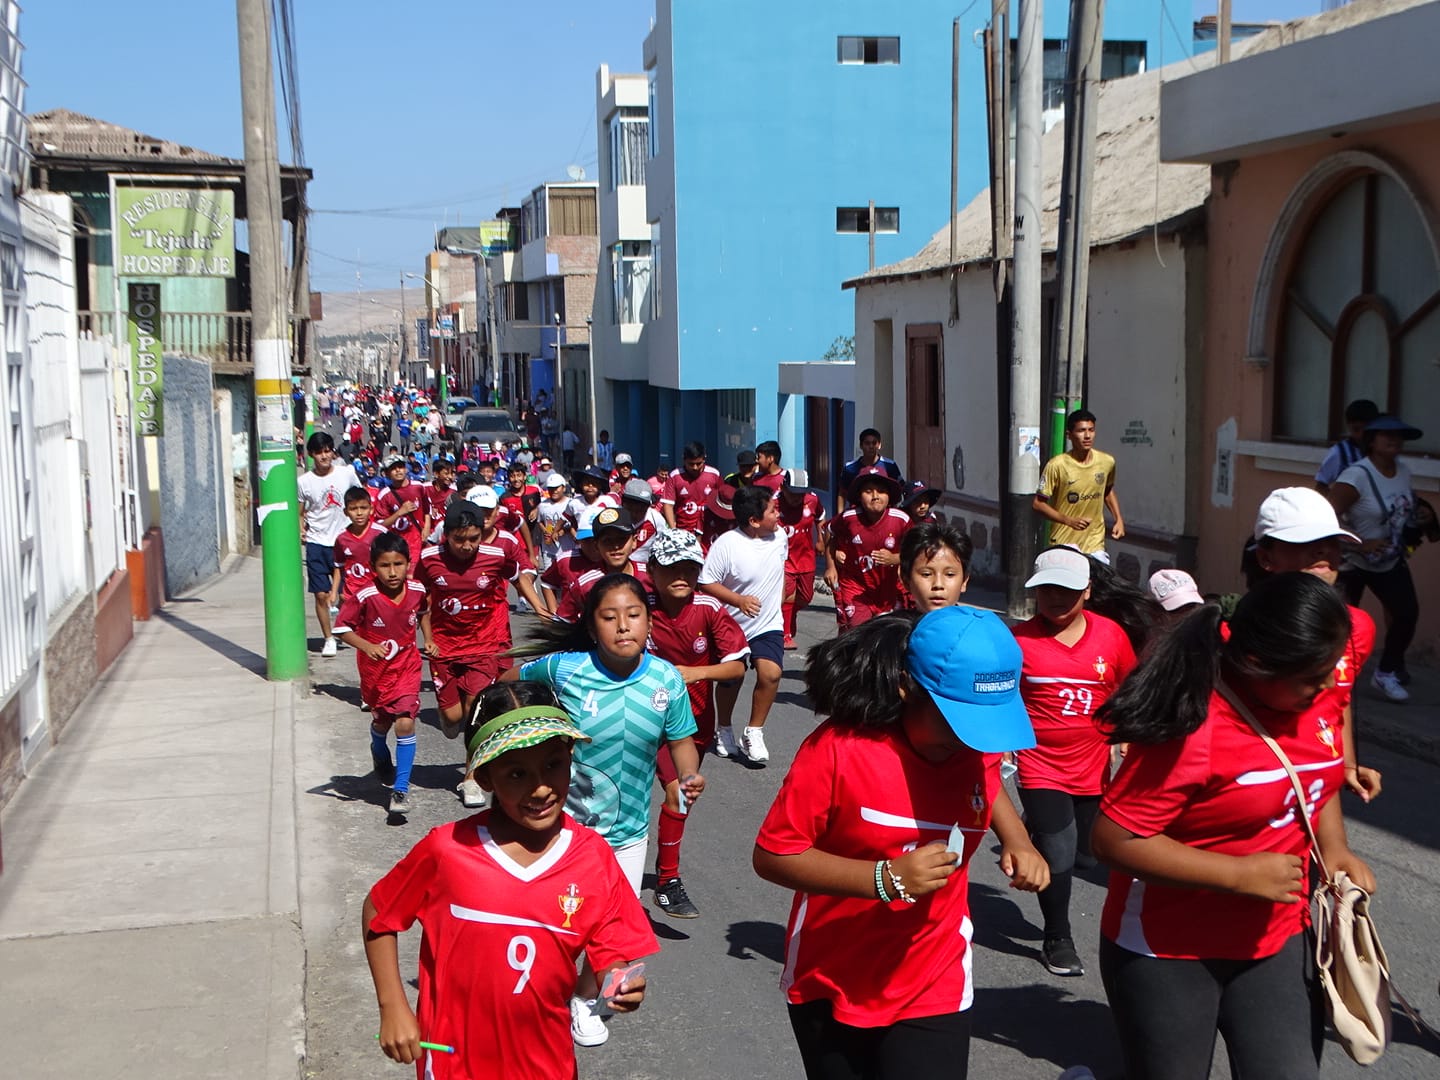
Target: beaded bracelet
{"x": 900, "y": 889}
{"x": 884, "y": 896}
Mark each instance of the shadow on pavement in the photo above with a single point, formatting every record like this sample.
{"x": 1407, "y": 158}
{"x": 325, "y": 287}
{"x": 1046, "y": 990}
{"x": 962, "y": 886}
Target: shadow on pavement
{"x": 1000, "y": 925}
{"x": 1046, "y": 1023}
{"x": 747, "y": 940}
{"x": 368, "y": 789}
{"x": 251, "y": 661}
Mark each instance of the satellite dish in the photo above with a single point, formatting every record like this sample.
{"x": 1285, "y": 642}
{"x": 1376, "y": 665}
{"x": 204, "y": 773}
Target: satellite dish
{"x": 575, "y": 172}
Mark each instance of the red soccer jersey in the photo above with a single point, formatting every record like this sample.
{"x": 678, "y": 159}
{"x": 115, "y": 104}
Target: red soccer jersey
{"x": 376, "y": 617}
{"x": 688, "y": 496}
{"x": 566, "y": 567}
{"x": 515, "y": 504}
{"x": 800, "y": 523}
{"x": 1063, "y": 686}
{"x": 352, "y": 556}
{"x": 435, "y": 503}
{"x": 1357, "y": 651}
{"x": 470, "y": 616}
{"x": 773, "y": 481}
{"x": 572, "y": 602}
{"x": 862, "y": 579}
{"x": 501, "y": 941}
{"x": 409, "y": 525}
{"x": 867, "y": 795}
{"x": 1219, "y": 789}
{"x": 701, "y": 635}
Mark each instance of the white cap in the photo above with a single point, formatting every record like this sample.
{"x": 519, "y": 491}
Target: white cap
{"x": 1174, "y": 589}
{"x": 555, "y": 480}
{"x": 624, "y": 459}
{"x": 1063, "y": 566}
{"x": 1298, "y": 515}
{"x": 483, "y": 496}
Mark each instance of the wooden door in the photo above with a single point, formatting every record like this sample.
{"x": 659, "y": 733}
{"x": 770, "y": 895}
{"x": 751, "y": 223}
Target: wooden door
{"x": 925, "y": 404}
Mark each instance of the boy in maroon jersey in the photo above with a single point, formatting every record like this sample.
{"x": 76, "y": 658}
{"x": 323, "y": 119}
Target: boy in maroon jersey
{"x": 401, "y": 505}
{"x": 519, "y": 502}
{"x": 688, "y": 489}
{"x": 439, "y": 491}
{"x": 801, "y": 515}
{"x": 467, "y": 629}
{"x": 606, "y": 540}
{"x": 379, "y": 624}
{"x": 864, "y": 549}
{"x": 695, "y": 633}
{"x": 352, "y": 546}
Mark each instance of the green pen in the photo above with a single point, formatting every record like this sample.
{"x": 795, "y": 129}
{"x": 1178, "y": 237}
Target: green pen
{"x": 431, "y": 1046}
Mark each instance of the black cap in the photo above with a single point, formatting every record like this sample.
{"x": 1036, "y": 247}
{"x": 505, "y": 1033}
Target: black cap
{"x": 745, "y": 458}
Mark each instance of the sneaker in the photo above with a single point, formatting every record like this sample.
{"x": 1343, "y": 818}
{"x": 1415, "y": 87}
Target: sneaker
{"x": 472, "y": 795}
{"x": 399, "y": 803}
{"x": 790, "y": 645}
{"x": 586, "y": 1028}
{"x": 752, "y": 745}
{"x": 384, "y": 769}
{"x": 1060, "y": 958}
{"x": 725, "y": 742}
{"x": 328, "y": 649}
{"x": 673, "y": 900}
{"x": 1389, "y": 686}
{"x": 364, "y": 706}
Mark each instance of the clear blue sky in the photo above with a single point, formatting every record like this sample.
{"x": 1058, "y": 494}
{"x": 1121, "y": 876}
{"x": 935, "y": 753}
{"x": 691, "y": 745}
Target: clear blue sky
{"x": 448, "y": 109}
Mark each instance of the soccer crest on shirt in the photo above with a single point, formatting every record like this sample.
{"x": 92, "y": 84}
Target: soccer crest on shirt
{"x": 1342, "y": 670}
{"x": 1101, "y": 666}
{"x": 1099, "y": 478}
{"x": 890, "y": 542}
{"x": 570, "y": 901}
{"x": 1325, "y": 732}
{"x": 699, "y": 646}
{"x": 977, "y": 803}
{"x": 660, "y": 700}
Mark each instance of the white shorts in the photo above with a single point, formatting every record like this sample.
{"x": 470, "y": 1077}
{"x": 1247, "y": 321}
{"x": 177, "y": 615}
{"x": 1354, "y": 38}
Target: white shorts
{"x": 631, "y": 858}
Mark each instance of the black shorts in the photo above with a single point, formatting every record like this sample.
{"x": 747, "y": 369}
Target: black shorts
{"x": 320, "y": 566}
{"x": 768, "y": 646}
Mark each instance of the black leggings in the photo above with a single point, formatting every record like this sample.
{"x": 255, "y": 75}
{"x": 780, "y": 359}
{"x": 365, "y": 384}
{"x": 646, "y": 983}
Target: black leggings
{"x": 1395, "y": 589}
{"x": 1059, "y": 825}
{"x": 1167, "y": 1013}
{"x": 918, "y": 1049}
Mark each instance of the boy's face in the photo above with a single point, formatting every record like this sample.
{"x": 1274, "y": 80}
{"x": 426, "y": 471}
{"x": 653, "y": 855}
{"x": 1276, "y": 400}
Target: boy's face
{"x": 1319, "y": 557}
{"x": 444, "y": 475}
{"x": 614, "y": 548}
{"x": 870, "y": 446}
{"x": 465, "y": 541}
{"x": 937, "y": 580}
{"x": 919, "y": 509}
{"x": 874, "y": 499}
{"x": 324, "y": 458}
{"x": 556, "y": 494}
{"x": 517, "y": 480}
{"x": 763, "y": 461}
{"x": 530, "y": 784}
{"x": 396, "y": 473}
{"x": 390, "y": 570}
{"x": 768, "y": 521}
{"x": 624, "y": 470}
{"x": 1082, "y": 435}
{"x": 590, "y": 489}
{"x": 358, "y": 512}
{"x": 693, "y": 465}
{"x": 677, "y": 581}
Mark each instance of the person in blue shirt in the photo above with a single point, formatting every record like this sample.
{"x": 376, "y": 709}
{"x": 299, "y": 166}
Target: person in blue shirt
{"x": 870, "y": 447}
{"x": 403, "y": 427}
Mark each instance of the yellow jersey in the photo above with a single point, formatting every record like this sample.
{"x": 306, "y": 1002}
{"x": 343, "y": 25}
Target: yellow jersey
{"x": 1078, "y": 489}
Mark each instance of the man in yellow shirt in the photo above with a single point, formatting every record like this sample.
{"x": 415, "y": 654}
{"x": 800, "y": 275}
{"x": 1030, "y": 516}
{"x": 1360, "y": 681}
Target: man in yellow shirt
{"x": 1077, "y": 487}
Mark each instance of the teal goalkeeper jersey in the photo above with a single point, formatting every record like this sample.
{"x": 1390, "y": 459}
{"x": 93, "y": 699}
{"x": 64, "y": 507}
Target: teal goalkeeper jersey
{"x": 627, "y": 720}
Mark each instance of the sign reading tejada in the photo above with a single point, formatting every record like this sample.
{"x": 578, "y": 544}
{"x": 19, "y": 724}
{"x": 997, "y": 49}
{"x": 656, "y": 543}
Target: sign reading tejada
{"x": 175, "y": 232}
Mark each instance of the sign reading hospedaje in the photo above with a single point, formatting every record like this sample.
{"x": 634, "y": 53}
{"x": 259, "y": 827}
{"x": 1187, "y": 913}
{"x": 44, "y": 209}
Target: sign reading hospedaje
{"x": 175, "y": 232}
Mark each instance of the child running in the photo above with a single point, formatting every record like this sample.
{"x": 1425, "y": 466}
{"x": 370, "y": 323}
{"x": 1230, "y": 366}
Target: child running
{"x": 379, "y": 624}
{"x": 352, "y": 546}
{"x": 801, "y": 516}
{"x": 935, "y": 566}
{"x": 401, "y": 505}
{"x": 1074, "y": 660}
{"x": 694, "y": 632}
{"x": 508, "y": 900}
{"x": 864, "y": 550}
{"x": 877, "y": 950}
{"x": 1204, "y": 920}
{"x": 322, "y": 517}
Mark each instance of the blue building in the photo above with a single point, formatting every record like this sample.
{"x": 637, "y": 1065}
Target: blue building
{"x": 771, "y": 129}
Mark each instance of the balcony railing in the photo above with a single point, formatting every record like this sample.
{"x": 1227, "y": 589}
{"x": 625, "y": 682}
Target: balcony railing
{"x": 222, "y": 337}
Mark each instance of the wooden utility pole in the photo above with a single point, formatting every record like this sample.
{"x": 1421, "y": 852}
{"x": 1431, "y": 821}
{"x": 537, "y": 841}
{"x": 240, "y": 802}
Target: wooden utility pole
{"x": 954, "y": 168}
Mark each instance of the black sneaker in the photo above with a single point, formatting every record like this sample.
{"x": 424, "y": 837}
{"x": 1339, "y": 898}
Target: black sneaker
{"x": 399, "y": 803}
{"x": 1060, "y": 958}
{"x": 672, "y": 899}
{"x": 384, "y": 769}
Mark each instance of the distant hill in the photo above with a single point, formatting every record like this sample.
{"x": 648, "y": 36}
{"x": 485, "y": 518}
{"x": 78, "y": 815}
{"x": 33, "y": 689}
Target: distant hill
{"x": 371, "y": 313}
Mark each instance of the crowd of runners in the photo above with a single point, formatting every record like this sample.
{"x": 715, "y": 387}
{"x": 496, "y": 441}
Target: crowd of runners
{"x": 1124, "y": 714}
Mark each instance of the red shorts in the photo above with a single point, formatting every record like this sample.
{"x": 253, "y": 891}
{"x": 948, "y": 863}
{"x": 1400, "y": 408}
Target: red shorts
{"x": 456, "y": 680}
{"x": 850, "y": 613}
{"x": 800, "y": 585}
{"x": 665, "y": 764}
{"x": 383, "y": 715}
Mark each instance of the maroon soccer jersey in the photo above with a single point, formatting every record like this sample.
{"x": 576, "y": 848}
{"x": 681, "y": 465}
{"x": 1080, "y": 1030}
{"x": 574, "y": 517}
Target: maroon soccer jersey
{"x": 566, "y": 567}
{"x": 800, "y": 523}
{"x": 352, "y": 556}
{"x": 409, "y": 525}
{"x": 435, "y": 503}
{"x": 701, "y": 635}
{"x": 572, "y": 603}
{"x": 862, "y": 579}
{"x": 394, "y": 681}
{"x": 688, "y": 496}
{"x": 469, "y": 612}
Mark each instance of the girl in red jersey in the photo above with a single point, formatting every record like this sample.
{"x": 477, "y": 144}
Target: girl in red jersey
{"x": 1202, "y": 925}
{"x": 509, "y": 900}
{"x": 1074, "y": 660}
{"x": 878, "y": 955}
{"x": 863, "y": 555}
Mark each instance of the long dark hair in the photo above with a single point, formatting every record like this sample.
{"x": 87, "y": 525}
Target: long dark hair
{"x": 501, "y": 697}
{"x": 856, "y": 678}
{"x": 557, "y": 636}
{"x": 1288, "y": 625}
{"x": 1137, "y": 612}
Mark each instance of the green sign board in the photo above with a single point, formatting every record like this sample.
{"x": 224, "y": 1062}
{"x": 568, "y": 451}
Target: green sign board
{"x": 496, "y": 237}
{"x": 147, "y": 365}
{"x": 175, "y": 232}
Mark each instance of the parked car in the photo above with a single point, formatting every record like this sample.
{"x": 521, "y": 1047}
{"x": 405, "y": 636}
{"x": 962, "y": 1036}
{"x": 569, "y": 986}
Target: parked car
{"x": 487, "y": 425}
{"x": 455, "y": 406}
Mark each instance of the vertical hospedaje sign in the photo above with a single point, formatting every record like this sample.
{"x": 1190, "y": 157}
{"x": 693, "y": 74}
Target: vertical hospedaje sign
{"x": 147, "y": 370}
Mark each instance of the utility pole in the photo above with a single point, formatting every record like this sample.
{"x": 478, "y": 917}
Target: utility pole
{"x": 1018, "y": 524}
{"x": 404, "y": 375}
{"x": 954, "y": 274}
{"x": 279, "y": 497}
{"x": 1222, "y": 34}
{"x": 1067, "y": 349}
{"x": 494, "y": 339}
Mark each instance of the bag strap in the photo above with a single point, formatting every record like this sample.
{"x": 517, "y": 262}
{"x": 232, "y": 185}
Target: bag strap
{"x": 1301, "y": 803}
{"x": 1385, "y": 509}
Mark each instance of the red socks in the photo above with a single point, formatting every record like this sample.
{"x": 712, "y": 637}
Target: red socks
{"x": 672, "y": 830}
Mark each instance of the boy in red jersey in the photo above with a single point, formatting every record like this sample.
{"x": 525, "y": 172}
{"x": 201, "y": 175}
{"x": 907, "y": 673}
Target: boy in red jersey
{"x": 606, "y": 541}
{"x": 401, "y": 506}
{"x": 688, "y": 489}
{"x": 439, "y": 491}
{"x": 467, "y": 629}
{"x": 519, "y": 502}
{"x": 695, "y": 633}
{"x": 801, "y": 516}
{"x": 352, "y": 546}
{"x": 1074, "y": 660}
{"x": 509, "y": 901}
{"x": 863, "y": 566}
{"x": 379, "y": 623}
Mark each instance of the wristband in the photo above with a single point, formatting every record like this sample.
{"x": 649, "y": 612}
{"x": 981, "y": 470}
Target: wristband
{"x": 900, "y": 889}
{"x": 880, "y": 892}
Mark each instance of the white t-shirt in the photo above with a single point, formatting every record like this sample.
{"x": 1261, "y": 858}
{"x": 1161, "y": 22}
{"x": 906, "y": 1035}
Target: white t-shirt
{"x": 1370, "y": 520}
{"x": 322, "y": 500}
{"x": 551, "y": 517}
{"x": 751, "y": 566}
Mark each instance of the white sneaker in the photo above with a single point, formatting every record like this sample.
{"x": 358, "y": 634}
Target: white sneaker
{"x": 586, "y": 1028}
{"x": 1388, "y": 683}
{"x": 472, "y": 795}
{"x": 752, "y": 745}
{"x": 725, "y": 741}
{"x": 328, "y": 649}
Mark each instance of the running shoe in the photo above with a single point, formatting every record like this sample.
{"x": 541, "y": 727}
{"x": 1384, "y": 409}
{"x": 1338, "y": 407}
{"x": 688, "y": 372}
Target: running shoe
{"x": 752, "y": 745}
{"x": 399, "y": 803}
{"x": 790, "y": 643}
{"x": 1060, "y": 958}
{"x": 673, "y": 900}
{"x": 328, "y": 649}
{"x": 725, "y": 741}
{"x": 586, "y": 1028}
{"x": 1389, "y": 686}
{"x": 472, "y": 795}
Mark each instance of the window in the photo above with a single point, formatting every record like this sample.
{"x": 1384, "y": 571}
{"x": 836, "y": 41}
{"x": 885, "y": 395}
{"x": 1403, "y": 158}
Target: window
{"x": 630, "y": 276}
{"x": 737, "y": 406}
{"x": 629, "y": 143}
{"x": 517, "y": 302}
{"x": 654, "y": 127}
{"x": 1359, "y": 315}
{"x": 867, "y": 50}
{"x": 656, "y": 293}
{"x": 1117, "y": 59}
{"x": 572, "y": 212}
{"x": 856, "y": 219}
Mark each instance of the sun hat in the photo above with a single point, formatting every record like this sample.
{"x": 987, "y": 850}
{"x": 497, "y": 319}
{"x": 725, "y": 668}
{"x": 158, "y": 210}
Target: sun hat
{"x": 969, "y": 663}
{"x": 1063, "y": 566}
{"x": 919, "y": 491}
{"x": 872, "y": 473}
{"x": 1386, "y": 422}
{"x": 517, "y": 729}
{"x": 676, "y": 546}
{"x": 722, "y": 502}
{"x": 483, "y": 496}
{"x": 1298, "y": 515}
{"x": 639, "y": 490}
{"x": 591, "y": 473}
{"x": 1174, "y": 589}
{"x": 554, "y": 480}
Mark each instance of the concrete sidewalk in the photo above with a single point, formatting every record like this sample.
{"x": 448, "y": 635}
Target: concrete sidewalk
{"x": 149, "y": 912}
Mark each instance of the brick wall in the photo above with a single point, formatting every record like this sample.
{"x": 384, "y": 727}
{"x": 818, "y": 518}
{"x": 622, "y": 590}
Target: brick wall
{"x": 70, "y": 663}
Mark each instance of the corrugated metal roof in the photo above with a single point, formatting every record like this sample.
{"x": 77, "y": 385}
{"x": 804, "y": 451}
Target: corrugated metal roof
{"x": 63, "y": 133}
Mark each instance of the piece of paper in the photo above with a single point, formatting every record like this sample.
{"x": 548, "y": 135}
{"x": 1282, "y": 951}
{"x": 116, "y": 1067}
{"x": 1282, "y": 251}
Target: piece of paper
{"x": 956, "y": 842}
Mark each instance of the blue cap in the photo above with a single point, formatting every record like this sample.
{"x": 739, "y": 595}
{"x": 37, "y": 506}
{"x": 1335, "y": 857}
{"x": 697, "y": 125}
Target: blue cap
{"x": 969, "y": 663}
